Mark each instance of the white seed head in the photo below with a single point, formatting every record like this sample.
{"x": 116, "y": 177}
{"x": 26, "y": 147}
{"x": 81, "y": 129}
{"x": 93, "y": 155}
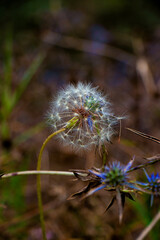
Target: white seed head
{"x": 86, "y": 115}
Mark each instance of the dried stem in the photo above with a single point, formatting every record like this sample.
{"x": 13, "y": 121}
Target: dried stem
{"x": 144, "y": 135}
{"x": 157, "y": 159}
{"x": 86, "y": 45}
{"x": 34, "y": 172}
{"x": 149, "y": 227}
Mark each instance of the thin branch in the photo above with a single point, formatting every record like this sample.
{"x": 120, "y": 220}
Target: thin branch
{"x": 149, "y": 227}
{"x": 157, "y": 159}
{"x": 144, "y": 135}
{"x": 89, "y": 46}
{"x": 34, "y": 172}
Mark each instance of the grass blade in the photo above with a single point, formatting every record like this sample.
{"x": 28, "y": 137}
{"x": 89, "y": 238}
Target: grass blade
{"x": 27, "y": 78}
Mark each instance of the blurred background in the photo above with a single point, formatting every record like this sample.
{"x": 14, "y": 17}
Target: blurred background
{"x": 45, "y": 45}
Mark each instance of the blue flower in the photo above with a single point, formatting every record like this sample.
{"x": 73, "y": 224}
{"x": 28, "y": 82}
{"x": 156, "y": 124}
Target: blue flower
{"x": 113, "y": 176}
{"x": 90, "y": 122}
{"x": 153, "y": 184}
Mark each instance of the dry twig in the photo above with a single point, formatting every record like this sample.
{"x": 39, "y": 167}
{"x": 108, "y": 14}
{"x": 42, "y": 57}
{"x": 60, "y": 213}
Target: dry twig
{"x": 149, "y": 227}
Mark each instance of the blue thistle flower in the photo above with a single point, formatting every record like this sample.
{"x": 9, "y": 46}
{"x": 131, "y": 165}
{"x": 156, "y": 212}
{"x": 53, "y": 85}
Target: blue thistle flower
{"x": 85, "y": 114}
{"x": 153, "y": 184}
{"x": 113, "y": 177}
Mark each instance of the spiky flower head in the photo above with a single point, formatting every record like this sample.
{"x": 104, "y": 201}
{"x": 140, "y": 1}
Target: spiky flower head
{"x": 113, "y": 177}
{"x": 152, "y": 185}
{"x": 86, "y": 115}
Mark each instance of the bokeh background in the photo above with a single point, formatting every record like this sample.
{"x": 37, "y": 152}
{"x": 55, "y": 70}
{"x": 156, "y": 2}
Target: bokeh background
{"x": 45, "y": 45}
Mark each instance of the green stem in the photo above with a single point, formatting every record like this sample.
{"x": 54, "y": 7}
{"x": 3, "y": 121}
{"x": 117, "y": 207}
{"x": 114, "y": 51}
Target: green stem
{"x": 104, "y": 155}
{"x": 103, "y": 149}
{"x": 40, "y": 205}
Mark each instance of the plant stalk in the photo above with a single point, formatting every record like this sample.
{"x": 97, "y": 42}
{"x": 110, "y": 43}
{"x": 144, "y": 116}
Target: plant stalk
{"x": 34, "y": 172}
{"x": 39, "y": 196}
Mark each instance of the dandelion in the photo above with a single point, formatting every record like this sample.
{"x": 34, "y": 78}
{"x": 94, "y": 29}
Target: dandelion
{"x": 113, "y": 177}
{"x": 85, "y": 114}
{"x": 81, "y": 117}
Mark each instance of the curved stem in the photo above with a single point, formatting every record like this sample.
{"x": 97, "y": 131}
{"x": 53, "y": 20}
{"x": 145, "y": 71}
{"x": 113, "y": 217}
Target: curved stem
{"x": 40, "y": 205}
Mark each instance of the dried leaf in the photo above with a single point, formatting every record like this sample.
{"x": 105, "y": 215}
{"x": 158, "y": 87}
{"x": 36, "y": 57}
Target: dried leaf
{"x": 128, "y": 195}
{"x": 110, "y": 204}
{"x": 86, "y": 191}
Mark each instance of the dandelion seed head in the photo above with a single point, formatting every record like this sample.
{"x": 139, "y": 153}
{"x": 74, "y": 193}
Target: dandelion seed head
{"x": 86, "y": 115}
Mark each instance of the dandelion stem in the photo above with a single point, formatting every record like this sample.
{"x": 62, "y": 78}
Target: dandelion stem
{"x": 40, "y": 205}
